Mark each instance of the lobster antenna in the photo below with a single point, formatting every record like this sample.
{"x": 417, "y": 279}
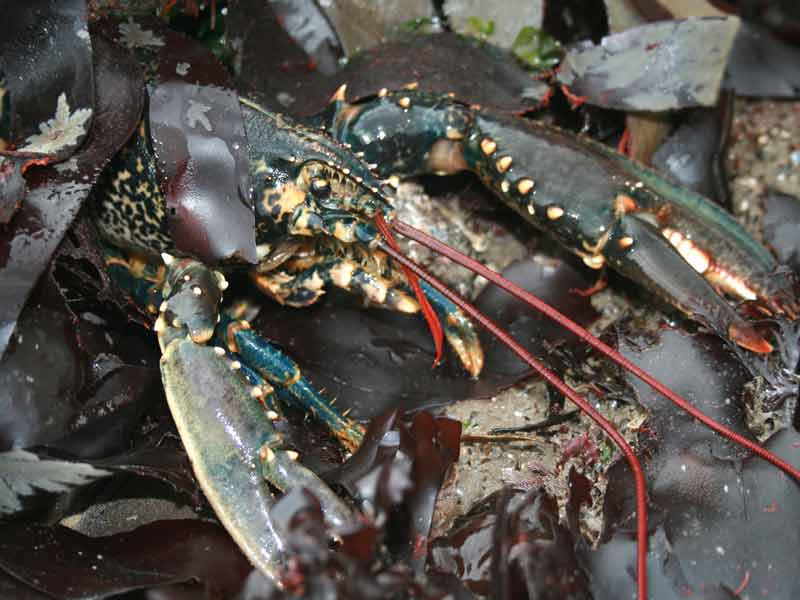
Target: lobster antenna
{"x": 538, "y": 304}
{"x": 555, "y": 381}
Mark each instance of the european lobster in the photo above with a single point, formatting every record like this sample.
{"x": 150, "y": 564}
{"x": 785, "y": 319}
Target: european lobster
{"x": 323, "y": 217}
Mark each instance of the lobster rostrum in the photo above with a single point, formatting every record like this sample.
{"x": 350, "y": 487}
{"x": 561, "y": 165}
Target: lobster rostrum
{"x": 323, "y": 213}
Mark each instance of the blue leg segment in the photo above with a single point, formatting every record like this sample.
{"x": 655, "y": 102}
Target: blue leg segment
{"x": 265, "y": 362}
{"x": 303, "y": 287}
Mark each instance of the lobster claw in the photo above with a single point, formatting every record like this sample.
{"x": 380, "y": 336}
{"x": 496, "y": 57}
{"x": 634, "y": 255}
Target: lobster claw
{"x": 200, "y": 388}
{"x": 639, "y": 251}
{"x": 235, "y": 451}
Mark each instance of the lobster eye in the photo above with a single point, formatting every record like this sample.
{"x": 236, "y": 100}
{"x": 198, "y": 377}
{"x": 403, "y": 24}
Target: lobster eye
{"x": 320, "y": 187}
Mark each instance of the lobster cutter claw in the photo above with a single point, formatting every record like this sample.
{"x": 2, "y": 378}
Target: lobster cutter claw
{"x": 639, "y": 251}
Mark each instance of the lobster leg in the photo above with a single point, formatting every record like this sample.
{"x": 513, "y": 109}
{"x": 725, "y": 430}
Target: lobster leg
{"x": 278, "y": 369}
{"x": 458, "y": 329}
{"x": 306, "y": 286}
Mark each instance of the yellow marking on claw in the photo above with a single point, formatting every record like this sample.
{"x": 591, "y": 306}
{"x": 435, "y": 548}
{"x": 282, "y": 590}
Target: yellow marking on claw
{"x": 349, "y": 112}
{"x": 488, "y": 146}
{"x": 273, "y": 285}
{"x": 625, "y": 242}
{"x": 137, "y": 265}
{"x": 598, "y": 247}
{"x": 451, "y": 133}
{"x": 699, "y": 260}
{"x": 702, "y": 262}
{"x": 143, "y": 188}
{"x": 375, "y": 290}
{"x": 505, "y": 186}
{"x": 730, "y": 282}
{"x": 525, "y": 185}
{"x": 404, "y": 102}
{"x": 412, "y": 86}
{"x": 300, "y": 225}
{"x": 554, "y": 212}
{"x": 262, "y": 251}
{"x": 382, "y": 93}
{"x": 504, "y": 163}
{"x": 294, "y": 378}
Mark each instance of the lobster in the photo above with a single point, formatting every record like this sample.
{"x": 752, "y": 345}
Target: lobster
{"x": 324, "y": 215}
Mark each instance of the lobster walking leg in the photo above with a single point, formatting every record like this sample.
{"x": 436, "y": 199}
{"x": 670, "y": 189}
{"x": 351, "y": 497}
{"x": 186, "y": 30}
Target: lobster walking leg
{"x": 306, "y": 286}
{"x": 281, "y": 371}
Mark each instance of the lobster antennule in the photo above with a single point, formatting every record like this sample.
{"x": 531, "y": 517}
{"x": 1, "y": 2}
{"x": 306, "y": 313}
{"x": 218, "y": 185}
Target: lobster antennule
{"x": 563, "y": 320}
{"x": 427, "y": 310}
{"x": 561, "y": 386}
